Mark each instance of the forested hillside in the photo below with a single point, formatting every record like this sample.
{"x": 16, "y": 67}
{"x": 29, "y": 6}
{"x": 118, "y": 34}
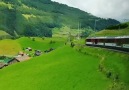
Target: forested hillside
{"x": 39, "y": 17}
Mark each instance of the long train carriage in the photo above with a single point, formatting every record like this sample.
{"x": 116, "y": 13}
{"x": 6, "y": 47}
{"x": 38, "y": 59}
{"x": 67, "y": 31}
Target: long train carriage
{"x": 119, "y": 43}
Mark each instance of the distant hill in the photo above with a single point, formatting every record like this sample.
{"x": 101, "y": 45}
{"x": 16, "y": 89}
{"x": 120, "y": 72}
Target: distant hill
{"x": 117, "y": 30}
{"x": 39, "y": 17}
{"x": 4, "y": 35}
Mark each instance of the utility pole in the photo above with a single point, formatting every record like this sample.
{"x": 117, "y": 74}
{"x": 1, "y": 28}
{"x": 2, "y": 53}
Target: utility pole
{"x": 78, "y": 30}
{"x": 95, "y": 26}
{"x": 79, "y": 26}
{"x": 95, "y": 30}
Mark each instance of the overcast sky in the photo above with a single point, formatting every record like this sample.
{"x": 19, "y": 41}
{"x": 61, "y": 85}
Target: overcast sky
{"x": 117, "y": 9}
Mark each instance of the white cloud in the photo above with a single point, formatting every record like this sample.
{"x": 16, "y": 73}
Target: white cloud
{"x": 117, "y": 9}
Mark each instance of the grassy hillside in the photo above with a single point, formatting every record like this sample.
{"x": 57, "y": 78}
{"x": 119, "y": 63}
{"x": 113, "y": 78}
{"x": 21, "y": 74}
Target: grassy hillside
{"x": 79, "y": 68}
{"x": 118, "y": 32}
{"x": 61, "y": 69}
{"x": 4, "y": 35}
{"x": 41, "y": 44}
{"x": 12, "y": 47}
{"x": 9, "y": 47}
{"x": 66, "y": 68}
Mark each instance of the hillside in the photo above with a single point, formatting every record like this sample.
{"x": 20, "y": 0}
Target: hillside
{"x": 4, "y": 35}
{"x": 39, "y": 17}
{"x": 12, "y": 47}
{"x": 114, "y": 32}
{"x": 51, "y": 73}
{"x": 66, "y": 68}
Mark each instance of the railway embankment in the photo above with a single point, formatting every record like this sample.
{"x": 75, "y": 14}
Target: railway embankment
{"x": 114, "y": 65}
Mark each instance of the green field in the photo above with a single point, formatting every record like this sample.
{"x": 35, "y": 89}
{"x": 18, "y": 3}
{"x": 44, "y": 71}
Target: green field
{"x": 65, "y": 68}
{"x": 9, "y": 47}
{"x": 61, "y": 69}
{"x": 12, "y": 47}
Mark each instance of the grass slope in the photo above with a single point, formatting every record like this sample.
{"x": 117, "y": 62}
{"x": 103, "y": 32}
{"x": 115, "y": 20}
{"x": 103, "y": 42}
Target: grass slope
{"x": 120, "y": 32}
{"x": 12, "y": 47}
{"x": 4, "y": 35}
{"x": 114, "y": 62}
{"x": 9, "y": 47}
{"x": 41, "y": 44}
{"x": 62, "y": 69}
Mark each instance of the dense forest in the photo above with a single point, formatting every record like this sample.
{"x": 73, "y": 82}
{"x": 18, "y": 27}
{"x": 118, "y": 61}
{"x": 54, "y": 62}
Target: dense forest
{"x": 39, "y": 17}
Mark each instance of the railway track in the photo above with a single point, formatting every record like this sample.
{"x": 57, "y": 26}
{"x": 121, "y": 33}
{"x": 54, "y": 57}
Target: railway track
{"x": 106, "y": 48}
{"x": 111, "y": 49}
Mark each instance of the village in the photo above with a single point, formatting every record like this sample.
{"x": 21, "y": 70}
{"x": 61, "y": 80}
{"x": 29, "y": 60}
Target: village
{"x": 24, "y": 55}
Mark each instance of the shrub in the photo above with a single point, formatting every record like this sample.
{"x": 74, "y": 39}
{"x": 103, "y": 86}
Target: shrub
{"x": 109, "y": 74}
{"x": 33, "y": 39}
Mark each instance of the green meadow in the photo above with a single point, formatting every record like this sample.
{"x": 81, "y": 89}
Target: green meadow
{"x": 12, "y": 47}
{"x": 61, "y": 69}
{"x": 65, "y": 68}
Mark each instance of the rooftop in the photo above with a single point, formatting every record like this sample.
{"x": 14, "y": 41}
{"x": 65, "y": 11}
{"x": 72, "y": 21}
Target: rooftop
{"x": 110, "y": 37}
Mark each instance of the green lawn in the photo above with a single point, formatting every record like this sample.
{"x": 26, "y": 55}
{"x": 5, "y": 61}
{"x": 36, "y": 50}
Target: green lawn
{"x": 62, "y": 69}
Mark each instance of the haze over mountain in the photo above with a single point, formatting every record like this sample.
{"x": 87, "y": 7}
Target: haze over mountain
{"x": 39, "y": 17}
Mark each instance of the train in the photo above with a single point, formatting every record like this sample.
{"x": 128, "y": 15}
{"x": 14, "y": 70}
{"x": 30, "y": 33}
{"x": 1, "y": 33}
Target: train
{"x": 118, "y": 43}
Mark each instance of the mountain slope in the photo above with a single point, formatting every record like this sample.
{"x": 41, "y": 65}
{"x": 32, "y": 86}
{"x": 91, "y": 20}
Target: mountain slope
{"x": 38, "y": 17}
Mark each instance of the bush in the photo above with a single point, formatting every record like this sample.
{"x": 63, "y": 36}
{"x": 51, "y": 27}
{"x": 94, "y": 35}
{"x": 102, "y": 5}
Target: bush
{"x": 33, "y": 39}
{"x": 72, "y": 44}
{"x": 109, "y": 74}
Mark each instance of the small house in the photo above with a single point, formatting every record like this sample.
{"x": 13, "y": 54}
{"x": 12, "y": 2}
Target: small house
{"x": 12, "y": 61}
{"x": 2, "y": 65}
{"x": 38, "y": 52}
{"x": 5, "y": 62}
{"x": 28, "y": 49}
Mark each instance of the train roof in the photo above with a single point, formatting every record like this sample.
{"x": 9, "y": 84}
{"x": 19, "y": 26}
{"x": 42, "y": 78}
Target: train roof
{"x": 108, "y": 37}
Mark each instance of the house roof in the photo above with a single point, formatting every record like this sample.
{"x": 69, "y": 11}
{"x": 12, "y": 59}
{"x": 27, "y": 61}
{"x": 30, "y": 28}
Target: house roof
{"x": 108, "y": 37}
{"x": 22, "y": 58}
{"x": 1, "y": 65}
{"x": 6, "y": 60}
